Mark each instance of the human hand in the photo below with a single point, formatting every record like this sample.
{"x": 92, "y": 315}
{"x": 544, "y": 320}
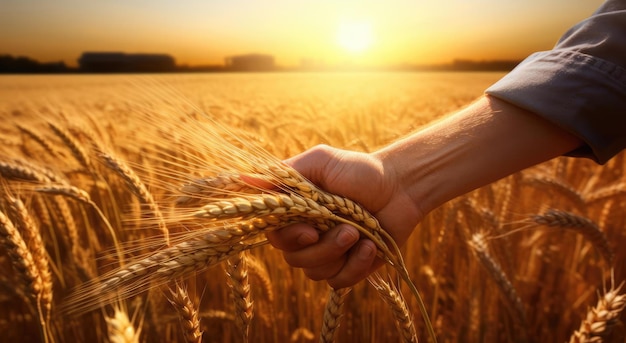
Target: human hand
{"x": 340, "y": 255}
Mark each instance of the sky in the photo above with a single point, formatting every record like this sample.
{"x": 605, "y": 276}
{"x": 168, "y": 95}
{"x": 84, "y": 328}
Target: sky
{"x": 364, "y": 32}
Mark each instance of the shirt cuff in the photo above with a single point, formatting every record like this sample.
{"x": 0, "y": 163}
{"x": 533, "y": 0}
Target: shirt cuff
{"x": 580, "y": 93}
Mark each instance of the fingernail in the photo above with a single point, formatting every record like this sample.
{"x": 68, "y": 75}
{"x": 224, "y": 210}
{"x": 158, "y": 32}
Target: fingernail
{"x": 346, "y": 238}
{"x": 365, "y": 252}
{"x": 306, "y": 239}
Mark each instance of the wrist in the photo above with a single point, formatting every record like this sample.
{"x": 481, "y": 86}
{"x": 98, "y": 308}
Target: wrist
{"x": 474, "y": 147}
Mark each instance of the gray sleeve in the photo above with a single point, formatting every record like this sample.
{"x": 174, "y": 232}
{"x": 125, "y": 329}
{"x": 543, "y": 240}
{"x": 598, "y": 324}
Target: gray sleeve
{"x": 579, "y": 85}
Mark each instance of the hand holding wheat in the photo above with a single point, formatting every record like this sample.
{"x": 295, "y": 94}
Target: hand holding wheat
{"x": 338, "y": 255}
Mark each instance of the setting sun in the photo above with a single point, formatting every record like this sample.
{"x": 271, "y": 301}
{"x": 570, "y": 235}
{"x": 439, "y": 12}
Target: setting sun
{"x": 355, "y": 36}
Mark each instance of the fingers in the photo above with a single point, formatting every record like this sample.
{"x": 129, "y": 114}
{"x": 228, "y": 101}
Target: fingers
{"x": 338, "y": 255}
{"x": 331, "y": 247}
{"x": 293, "y": 237}
{"x": 357, "y": 267}
{"x": 256, "y": 182}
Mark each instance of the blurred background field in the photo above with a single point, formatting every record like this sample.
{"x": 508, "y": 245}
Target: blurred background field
{"x": 556, "y": 269}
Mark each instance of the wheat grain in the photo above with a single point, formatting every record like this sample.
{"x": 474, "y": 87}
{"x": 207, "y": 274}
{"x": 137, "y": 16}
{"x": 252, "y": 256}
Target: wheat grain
{"x": 302, "y": 333}
{"x": 120, "y": 329}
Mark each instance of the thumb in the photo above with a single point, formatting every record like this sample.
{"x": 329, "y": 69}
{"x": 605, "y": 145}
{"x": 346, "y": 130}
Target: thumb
{"x": 314, "y": 163}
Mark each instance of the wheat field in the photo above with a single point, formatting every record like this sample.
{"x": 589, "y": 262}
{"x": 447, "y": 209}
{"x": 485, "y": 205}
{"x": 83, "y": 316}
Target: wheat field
{"x": 123, "y": 218}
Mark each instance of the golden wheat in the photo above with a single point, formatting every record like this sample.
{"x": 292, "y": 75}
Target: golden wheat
{"x": 237, "y": 271}
{"x": 582, "y": 225}
{"x": 188, "y": 314}
{"x": 399, "y": 308}
{"x": 332, "y": 314}
{"x": 601, "y": 318}
{"x": 480, "y": 250}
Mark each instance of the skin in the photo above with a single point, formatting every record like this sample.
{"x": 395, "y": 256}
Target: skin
{"x": 404, "y": 181}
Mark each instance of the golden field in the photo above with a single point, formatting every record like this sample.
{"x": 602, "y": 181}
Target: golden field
{"x": 527, "y": 259}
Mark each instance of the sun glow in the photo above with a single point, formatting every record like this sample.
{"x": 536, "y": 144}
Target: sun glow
{"x": 355, "y": 36}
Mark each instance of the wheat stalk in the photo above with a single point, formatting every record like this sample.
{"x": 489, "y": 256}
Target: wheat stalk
{"x": 558, "y": 185}
{"x": 610, "y": 191}
{"x": 258, "y": 268}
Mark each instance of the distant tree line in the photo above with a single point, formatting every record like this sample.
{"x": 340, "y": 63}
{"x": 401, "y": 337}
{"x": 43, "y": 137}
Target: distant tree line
{"x": 25, "y": 65}
{"x": 119, "y": 62}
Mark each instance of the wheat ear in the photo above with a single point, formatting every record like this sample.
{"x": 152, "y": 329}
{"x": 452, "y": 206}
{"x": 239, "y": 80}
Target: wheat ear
{"x": 479, "y": 247}
{"x": 26, "y": 268}
{"x": 40, "y": 140}
{"x": 600, "y": 319}
{"x": 83, "y": 197}
{"x": 187, "y": 313}
{"x": 138, "y": 188}
{"x": 32, "y": 237}
{"x": 332, "y": 314}
{"x": 579, "y": 224}
{"x": 222, "y": 185}
{"x": 22, "y": 170}
{"x": 72, "y": 143}
{"x": 156, "y": 269}
{"x": 393, "y": 298}
{"x": 237, "y": 272}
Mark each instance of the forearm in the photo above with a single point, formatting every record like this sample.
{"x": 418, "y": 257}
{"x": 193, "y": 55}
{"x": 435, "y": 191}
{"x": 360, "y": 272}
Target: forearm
{"x": 472, "y": 148}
